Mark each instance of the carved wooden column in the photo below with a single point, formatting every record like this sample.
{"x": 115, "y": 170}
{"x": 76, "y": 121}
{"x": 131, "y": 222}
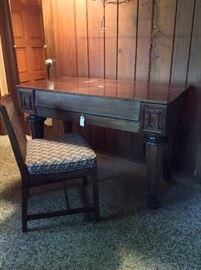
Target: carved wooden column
{"x": 154, "y": 157}
{"x": 154, "y": 125}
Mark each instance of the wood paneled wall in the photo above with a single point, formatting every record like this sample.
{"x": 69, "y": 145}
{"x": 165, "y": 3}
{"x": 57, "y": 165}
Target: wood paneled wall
{"x": 153, "y": 40}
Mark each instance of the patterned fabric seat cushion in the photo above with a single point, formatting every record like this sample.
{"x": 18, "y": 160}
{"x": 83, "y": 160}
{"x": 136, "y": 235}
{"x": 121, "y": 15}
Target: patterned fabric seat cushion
{"x": 62, "y": 154}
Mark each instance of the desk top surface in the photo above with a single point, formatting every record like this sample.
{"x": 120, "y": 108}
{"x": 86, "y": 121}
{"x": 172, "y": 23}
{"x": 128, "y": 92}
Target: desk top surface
{"x": 124, "y": 89}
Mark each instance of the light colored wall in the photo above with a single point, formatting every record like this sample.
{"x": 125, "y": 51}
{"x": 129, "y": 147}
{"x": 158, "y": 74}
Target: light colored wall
{"x": 3, "y": 83}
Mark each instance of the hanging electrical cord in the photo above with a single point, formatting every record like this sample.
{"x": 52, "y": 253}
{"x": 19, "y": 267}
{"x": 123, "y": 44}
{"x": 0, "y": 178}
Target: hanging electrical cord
{"x": 115, "y": 2}
{"x": 108, "y": 2}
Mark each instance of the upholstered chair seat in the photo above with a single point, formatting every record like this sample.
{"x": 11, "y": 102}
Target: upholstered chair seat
{"x": 66, "y": 153}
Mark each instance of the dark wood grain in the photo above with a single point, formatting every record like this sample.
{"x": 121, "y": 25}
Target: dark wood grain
{"x": 159, "y": 93}
{"x": 129, "y": 106}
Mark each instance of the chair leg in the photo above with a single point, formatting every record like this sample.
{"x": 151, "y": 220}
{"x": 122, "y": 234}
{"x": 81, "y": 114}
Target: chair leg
{"x": 95, "y": 194}
{"x": 84, "y": 180}
{"x": 24, "y": 206}
{"x": 66, "y": 195}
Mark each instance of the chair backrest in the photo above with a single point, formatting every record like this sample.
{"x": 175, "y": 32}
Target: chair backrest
{"x": 15, "y": 131}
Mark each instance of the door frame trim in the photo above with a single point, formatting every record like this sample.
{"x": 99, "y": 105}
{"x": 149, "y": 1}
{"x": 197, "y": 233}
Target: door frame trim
{"x": 9, "y": 56}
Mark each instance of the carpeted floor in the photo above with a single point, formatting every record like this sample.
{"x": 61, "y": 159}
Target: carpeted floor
{"x": 130, "y": 236}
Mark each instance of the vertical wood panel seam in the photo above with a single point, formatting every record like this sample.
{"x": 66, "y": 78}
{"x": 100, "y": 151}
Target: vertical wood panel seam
{"x": 151, "y": 40}
{"x": 173, "y": 41}
{"x": 117, "y": 47}
{"x": 191, "y": 37}
{"x": 104, "y": 43}
{"x": 75, "y": 26}
{"x": 104, "y": 65}
{"x": 117, "y": 50}
{"x": 88, "y": 64}
{"x": 135, "y": 65}
{"x": 136, "y": 40}
{"x": 87, "y": 22}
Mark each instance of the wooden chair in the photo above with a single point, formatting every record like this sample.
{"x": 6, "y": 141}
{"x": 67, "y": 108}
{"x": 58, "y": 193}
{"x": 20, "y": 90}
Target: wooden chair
{"x": 43, "y": 161}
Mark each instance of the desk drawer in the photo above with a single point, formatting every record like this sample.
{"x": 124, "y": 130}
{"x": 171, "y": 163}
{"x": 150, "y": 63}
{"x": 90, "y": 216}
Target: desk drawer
{"x": 90, "y": 119}
{"x": 93, "y": 105}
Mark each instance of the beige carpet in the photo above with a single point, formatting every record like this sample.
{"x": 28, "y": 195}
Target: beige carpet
{"x": 130, "y": 236}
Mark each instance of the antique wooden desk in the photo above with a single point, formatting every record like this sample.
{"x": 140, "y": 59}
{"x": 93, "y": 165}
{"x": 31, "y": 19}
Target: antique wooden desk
{"x": 140, "y": 107}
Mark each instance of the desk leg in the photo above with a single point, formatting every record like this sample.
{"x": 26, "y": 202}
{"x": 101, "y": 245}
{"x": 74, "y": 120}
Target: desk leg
{"x": 154, "y": 155}
{"x": 36, "y": 124}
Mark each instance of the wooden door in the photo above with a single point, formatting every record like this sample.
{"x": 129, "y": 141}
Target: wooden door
{"x": 27, "y": 22}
